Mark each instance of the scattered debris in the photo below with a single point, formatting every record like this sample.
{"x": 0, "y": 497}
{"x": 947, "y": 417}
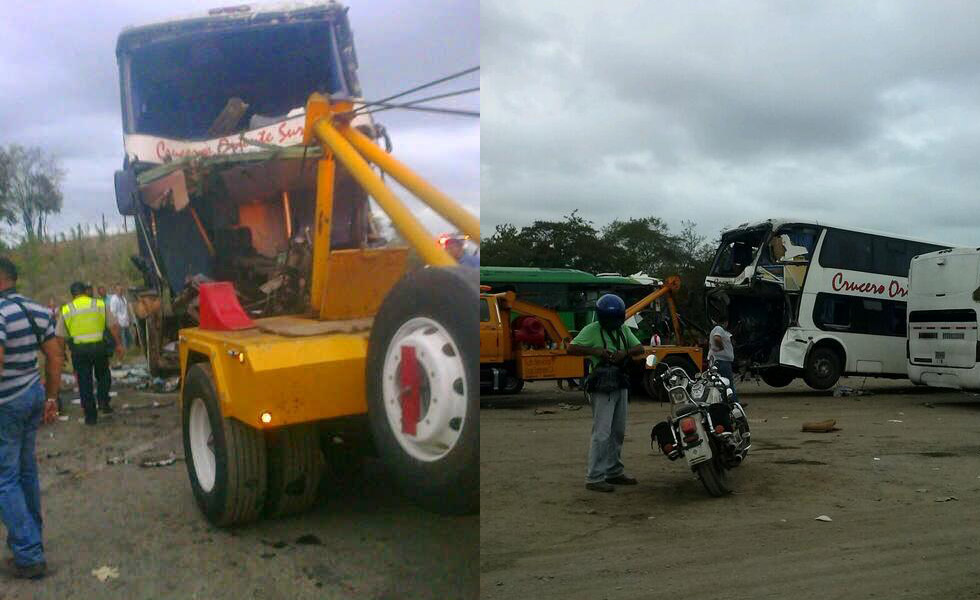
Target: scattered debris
{"x": 105, "y": 573}
{"x": 843, "y": 390}
{"x": 54, "y": 454}
{"x": 821, "y": 426}
{"x": 159, "y": 462}
{"x": 922, "y": 490}
{"x": 566, "y": 406}
{"x": 308, "y": 540}
{"x": 947, "y": 499}
{"x": 591, "y": 511}
{"x": 894, "y": 421}
{"x": 543, "y": 411}
{"x": 148, "y": 405}
{"x": 278, "y": 545}
{"x": 116, "y": 460}
{"x": 824, "y": 518}
{"x": 928, "y": 405}
{"x": 876, "y": 458}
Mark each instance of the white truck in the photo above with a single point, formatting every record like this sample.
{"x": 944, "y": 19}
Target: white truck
{"x": 943, "y": 303}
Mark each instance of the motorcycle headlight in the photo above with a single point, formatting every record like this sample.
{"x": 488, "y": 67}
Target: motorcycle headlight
{"x": 677, "y": 395}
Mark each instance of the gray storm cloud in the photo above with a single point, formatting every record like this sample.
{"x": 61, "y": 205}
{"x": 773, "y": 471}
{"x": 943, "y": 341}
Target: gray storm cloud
{"x": 722, "y": 112}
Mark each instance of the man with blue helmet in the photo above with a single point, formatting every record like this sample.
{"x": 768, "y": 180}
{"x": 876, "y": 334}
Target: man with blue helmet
{"x": 608, "y": 344}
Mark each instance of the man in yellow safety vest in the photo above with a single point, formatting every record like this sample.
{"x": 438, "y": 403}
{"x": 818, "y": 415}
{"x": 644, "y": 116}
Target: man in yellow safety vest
{"x": 83, "y": 322}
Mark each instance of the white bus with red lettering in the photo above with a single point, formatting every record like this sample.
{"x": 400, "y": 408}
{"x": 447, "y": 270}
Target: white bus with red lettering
{"x": 809, "y": 300}
{"x": 944, "y": 300}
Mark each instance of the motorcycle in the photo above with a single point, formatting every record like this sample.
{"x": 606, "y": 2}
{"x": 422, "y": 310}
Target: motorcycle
{"x": 706, "y": 425}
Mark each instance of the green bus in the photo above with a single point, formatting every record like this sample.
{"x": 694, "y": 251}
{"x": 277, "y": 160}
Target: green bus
{"x": 569, "y": 292}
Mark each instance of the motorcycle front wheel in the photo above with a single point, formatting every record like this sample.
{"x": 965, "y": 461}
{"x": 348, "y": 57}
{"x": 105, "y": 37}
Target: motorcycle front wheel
{"x": 714, "y": 477}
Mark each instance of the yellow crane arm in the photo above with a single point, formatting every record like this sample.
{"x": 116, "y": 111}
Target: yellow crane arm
{"x": 671, "y": 285}
{"x": 552, "y": 322}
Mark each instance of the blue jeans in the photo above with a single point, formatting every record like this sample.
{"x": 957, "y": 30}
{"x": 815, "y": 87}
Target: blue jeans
{"x": 608, "y": 432}
{"x": 20, "y": 490}
{"x": 726, "y": 371}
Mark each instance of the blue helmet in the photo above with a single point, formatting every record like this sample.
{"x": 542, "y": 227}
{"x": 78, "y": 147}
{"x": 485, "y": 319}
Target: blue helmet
{"x": 610, "y": 311}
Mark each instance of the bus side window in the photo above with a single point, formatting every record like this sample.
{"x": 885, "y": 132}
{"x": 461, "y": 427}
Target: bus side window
{"x": 832, "y": 310}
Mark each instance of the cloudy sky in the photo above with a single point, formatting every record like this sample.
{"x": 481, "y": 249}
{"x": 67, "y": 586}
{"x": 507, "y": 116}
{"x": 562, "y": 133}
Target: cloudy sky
{"x": 856, "y": 113}
{"x": 59, "y": 87}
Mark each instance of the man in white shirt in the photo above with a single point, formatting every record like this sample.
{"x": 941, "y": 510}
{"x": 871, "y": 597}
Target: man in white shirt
{"x": 119, "y": 307}
{"x": 722, "y": 353}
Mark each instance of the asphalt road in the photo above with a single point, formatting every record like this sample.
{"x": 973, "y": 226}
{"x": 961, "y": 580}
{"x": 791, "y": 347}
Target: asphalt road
{"x": 362, "y": 540}
{"x": 886, "y": 480}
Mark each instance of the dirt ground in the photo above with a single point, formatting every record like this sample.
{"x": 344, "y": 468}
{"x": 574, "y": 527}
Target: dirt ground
{"x": 361, "y": 541}
{"x": 885, "y": 478}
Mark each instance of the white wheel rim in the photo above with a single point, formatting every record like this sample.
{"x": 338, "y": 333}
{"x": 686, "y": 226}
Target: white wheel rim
{"x": 442, "y": 400}
{"x": 202, "y": 444}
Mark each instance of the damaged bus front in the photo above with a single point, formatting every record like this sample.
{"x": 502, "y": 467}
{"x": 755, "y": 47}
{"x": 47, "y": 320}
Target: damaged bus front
{"x": 808, "y": 300}
{"x": 215, "y": 175}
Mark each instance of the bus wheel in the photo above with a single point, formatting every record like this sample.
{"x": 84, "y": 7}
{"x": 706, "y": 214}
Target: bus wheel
{"x": 823, "y": 369}
{"x": 777, "y": 378}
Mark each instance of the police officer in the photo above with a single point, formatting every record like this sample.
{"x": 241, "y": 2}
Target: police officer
{"x": 83, "y": 323}
{"x": 608, "y": 343}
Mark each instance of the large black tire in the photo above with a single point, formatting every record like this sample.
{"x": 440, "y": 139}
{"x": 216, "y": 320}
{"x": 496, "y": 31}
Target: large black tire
{"x": 237, "y": 494}
{"x": 296, "y": 464}
{"x": 447, "y": 297}
{"x": 512, "y": 384}
{"x": 714, "y": 477}
{"x": 777, "y": 377}
{"x": 823, "y": 368}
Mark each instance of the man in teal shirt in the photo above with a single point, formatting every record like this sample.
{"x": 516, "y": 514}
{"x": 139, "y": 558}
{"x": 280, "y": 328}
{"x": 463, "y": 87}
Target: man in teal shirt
{"x": 609, "y": 344}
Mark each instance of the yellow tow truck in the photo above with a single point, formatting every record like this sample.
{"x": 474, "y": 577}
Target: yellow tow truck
{"x": 521, "y": 341}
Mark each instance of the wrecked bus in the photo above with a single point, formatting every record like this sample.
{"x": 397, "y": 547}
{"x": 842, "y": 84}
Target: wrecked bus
{"x": 215, "y": 176}
{"x": 804, "y": 299}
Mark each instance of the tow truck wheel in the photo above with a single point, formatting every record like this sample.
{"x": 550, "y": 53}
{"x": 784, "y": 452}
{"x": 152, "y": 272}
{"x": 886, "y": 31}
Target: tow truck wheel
{"x": 226, "y": 459}
{"x": 423, "y": 388}
{"x": 296, "y": 464}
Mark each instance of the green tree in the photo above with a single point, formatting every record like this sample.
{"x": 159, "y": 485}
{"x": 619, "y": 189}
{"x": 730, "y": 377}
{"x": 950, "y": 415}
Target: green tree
{"x": 30, "y": 189}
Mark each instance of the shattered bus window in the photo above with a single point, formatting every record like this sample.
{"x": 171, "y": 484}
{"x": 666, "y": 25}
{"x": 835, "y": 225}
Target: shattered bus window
{"x": 216, "y": 177}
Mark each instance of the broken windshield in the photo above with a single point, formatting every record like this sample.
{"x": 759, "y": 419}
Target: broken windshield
{"x": 738, "y": 250}
{"x": 216, "y": 83}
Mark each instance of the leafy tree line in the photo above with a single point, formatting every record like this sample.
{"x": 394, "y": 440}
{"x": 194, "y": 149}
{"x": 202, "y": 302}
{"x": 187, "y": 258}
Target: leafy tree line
{"x": 645, "y": 244}
{"x": 30, "y": 190}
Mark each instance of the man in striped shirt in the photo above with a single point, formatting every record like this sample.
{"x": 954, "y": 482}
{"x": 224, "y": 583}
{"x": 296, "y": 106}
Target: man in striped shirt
{"x": 25, "y": 328}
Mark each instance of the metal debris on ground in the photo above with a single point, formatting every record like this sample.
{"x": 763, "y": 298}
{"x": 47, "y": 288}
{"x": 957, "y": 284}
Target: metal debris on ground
{"x": 309, "y": 540}
{"x": 566, "y": 406}
{"x": 824, "y": 518}
{"x": 820, "y": 426}
{"x": 105, "y": 573}
{"x": 947, "y": 499}
{"x": 895, "y": 421}
{"x": 844, "y": 390}
{"x": 159, "y": 462}
{"x": 543, "y": 411}
{"x": 146, "y": 406}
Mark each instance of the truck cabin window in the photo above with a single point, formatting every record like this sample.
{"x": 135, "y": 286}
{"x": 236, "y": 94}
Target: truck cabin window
{"x": 179, "y": 88}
